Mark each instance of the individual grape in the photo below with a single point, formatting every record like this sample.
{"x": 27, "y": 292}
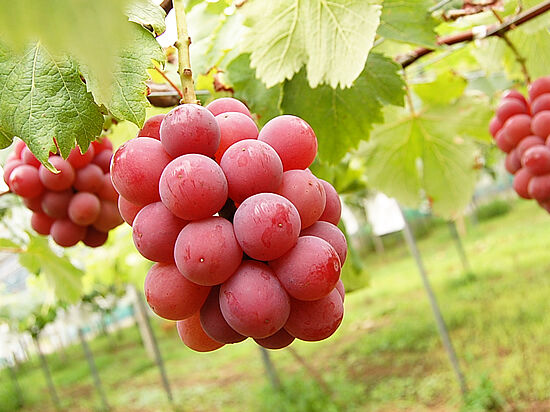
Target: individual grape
{"x": 191, "y": 333}
{"x": 155, "y": 231}
{"x": 509, "y": 108}
{"x": 502, "y": 141}
{"x": 341, "y": 289}
{"x": 33, "y": 203}
{"x": 103, "y": 160}
{"x": 521, "y": 182}
{"x": 108, "y": 218}
{"x": 57, "y": 181}
{"x": 512, "y": 162}
{"x": 18, "y": 147}
{"x": 41, "y": 223}
{"x": 545, "y": 205}
{"x": 66, "y": 233}
{"x": 128, "y": 210}
{"x": 316, "y": 320}
{"x": 539, "y": 187}
{"x": 234, "y": 127}
{"x": 227, "y": 104}
{"x": 308, "y": 271}
{"x": 253, "y": 302}
{"x": 330, "y": 233}
{"x": 25, "y": 182}
{"x": 9, "y": 167}
{"x": 494, "y": 126}
{"x": 527, "y": 143}
{"x": 514, "y": 94}
{"x": 541, "y": 103}
{"x": 101, "y": 145}
{"x": 136, "y": 168}
{"x": 206, "y": 251}
{"x": 78, "y": 159}
{"x": 108, "y": 191}
{"x": 537, "y": 160}
{"x": 90, "y": 178}
{"x": 539, "y": 87}
{"x": 29, "y": 158}
{"x": 266, "y": 226}
{"x": 193, "y": 187}
{"x": 541, "y": 124}
{"x": 170, "y": 295}
{"x": 214, "y": 324}
{"x": 279, "y": 340}
{"x": 94, "y": 238}
{"x": 56, "y": 204}
{"x": 517, "y": 127}
{"x": 151, "y": 128}
{"x": 305, "y": 192}
{"x": 84, "y": 208}
{"x": 293, "y": 139}
{"x": 251, "y": 167}
{"x": 333, "y": 207}
{"x": 190, "y": 128}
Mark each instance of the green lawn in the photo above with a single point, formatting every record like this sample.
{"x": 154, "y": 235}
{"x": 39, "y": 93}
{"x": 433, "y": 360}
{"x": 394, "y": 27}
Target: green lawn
{"x": 386, "y": 356}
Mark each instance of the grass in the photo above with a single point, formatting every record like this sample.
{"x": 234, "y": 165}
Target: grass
{"x": 386, "y": 356}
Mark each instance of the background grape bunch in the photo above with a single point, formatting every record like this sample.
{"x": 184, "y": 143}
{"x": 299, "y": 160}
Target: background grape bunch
{"x": 76, "y": 204}
{"x": 521, "y": 128}
{"x": 243, "y": 234}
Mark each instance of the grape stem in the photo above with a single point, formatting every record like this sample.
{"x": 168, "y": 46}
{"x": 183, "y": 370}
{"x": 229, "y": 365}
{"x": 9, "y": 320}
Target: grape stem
{"x": 170, "y": 82}
{"x": 5, "y": 193}
{"x": 184, "y": 62}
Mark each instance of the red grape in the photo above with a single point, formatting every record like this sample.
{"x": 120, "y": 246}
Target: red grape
{"x": 18, "y": 147}
{"x": 227, "y": 104}
{"x": 333, "y": 208}
{"x": 539, "y": 87}
{"x": 517, "y": 127}
{"x": 514, "y": 94}
{"x": 90, "y": 178}
{"x": 512, "y": 162}
{"x": 537, "y": 160}
{"x": 193, "y": 187}
{"x": 251, "y": 167}
{"x": 66, "y": 233}
{"x": 539, "y": 187}
{"x": 279, "y": 340}
{"x": 509, "y": 108}
{"x": 266, "y": 226}
{"x": 57, "y": 181}
{"x": 101, "y": 145}
{"x": 136, "y": 168}
{"x": 128, "y": 210}
{"x": 41, "y": 223}
{"x": 108, "y": 218}
{"x": 494, "y": 126}
{"x": 502, "y": 141}
{"x": 293, "y": 139}
{"x": 190, "y": 128}
{"x": 29, "y": 158}
{"x": 234, "y": 126}
{"x": 151, "y": 127}
{"x": 171, "y": 295}
{"x": 207, "y": 252}
{"x": 9, "y": 167}
{"x": 155, "y": 230}
{"x": 25, "y": 181}
{"x": 78, "y": 159}
{"x": 95, "y": 238}
{"x": 108, "y": 191}
{"x": 521, "y": 182}
{"x": 317, "y": 320}
{"x": 253, "y": 302}
{"x": 103, "y": 160}
{"x": 56, "y": 204}
{"x": 34, "y": 203}
{"x": 84, "y": 208}
{"x": 213, "y": 322}
{"x": 527, "y": 143}
{"x": 541, "y": 124}
{"x": 193, "y": 335}
{"x": 541, "y": 103}
{"x": 341, "y": 289}
{"x": 330, "y": 233}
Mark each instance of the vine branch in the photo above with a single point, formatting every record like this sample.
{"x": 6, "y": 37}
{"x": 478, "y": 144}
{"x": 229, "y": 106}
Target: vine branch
{"x": 170, "y": 82}
{"x": 184, "y": 62}
{"x": 469, "y": 35}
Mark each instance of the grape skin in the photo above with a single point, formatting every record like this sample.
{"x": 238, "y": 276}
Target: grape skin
{"x": 78, "y": 160}
{"x": 527, "y": 143}
{"x": 128, "y": 210}
{"x": 517, "y": 127}
{"x": 521, "y": 182}
{"x": 234, "y": 127}
{"x": 108, "y": 217}
{"x": 94, "y": 238}
{"x": 214, "y": 324}
{"x": 541, "y": 124}
{"x": 330, "y": 233}
{"x": 66, "y": 233}
{"x": 89, "y": 179}
{"x": 333, "y": 207}
{"x": 151, "y": 127}
{"x": 537, "y": 160}
{"x": 57, "y": 181}
{"x": 279, "y": 340}
{"x": 25, "y": 181}
{"x": 193, "y": 335}
{"x": 84, "y": 208}
{"x": 539, "y": 188}
{"x": 539, "y": 87}
{"x": 41, "y": 223}
{"x": 227, "y": 104}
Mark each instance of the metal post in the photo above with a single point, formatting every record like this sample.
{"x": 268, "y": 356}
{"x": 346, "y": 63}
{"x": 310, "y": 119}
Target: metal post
{"x": 93, "y": 370}
{"x": 47, "y": 374}
{"x": 270, "y": 369}
{"x": 459, "y": 246}
{"x": 441, "y": 326}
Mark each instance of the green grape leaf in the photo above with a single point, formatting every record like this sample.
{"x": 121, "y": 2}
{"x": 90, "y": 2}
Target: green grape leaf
{"x": 332, "y": 38}
{"x": 533, "y": 46}
{"x": 446, "y": 88}
{"x": 408, "y": 21}
{"x": 127, "y": 98}
{"x": 342, "y": 118}
{"x": 42, "y": 97}
{"x": 381, "y": 74}
{"x": 5, "y": 139}
{"x": 147, "y": 13}
{"x": 8, "y": 243}
{"x": 61, "y": 274}
{"x": 431, "y": 154}
{"x": 261, "y": 101}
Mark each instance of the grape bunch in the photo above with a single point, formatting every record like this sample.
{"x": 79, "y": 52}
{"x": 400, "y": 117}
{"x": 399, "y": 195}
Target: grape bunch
{"x": 79, "y": 203}
{"x": 521, "y": 128}
{"x": 243, "y": 234}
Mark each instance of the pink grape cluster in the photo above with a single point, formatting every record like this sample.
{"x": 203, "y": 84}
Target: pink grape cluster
{"x": 79, "y": 203}
{"x": 521, "y": 128}
{"x": 244, "y": 235}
